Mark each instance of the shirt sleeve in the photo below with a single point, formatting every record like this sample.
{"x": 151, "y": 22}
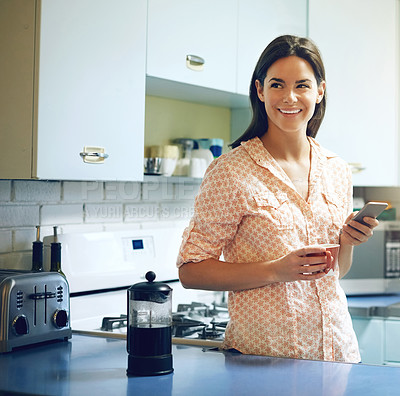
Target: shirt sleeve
{"x": 218, "y": 210}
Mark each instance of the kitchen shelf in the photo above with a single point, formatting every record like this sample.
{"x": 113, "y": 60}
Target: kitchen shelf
{"x": 196, "y": 94}
{"x": 172, "y": 179}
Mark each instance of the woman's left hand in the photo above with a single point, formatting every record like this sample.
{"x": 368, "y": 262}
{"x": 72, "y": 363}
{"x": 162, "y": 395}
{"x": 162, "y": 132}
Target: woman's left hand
{"x": 354, "y": 233}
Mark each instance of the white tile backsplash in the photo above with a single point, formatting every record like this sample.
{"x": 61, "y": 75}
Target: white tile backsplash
{"x": 23, "y": 238}
{"x": 157, "y": 191}
{"x": 5, "y": 190}
{"x": 19, "y": 215}
{"x": 5, "y": 241}
{"x": 82, "y": 191}
{"x": 126, "y": 191}
{"x": 142, "y": 212}
{"x": 37, "y": 191}
{"x": 61, "y": 214}
{"x": 103, "y": 213}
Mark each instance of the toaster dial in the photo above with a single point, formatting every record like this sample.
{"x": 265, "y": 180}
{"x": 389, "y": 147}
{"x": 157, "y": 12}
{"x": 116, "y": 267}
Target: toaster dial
{"x": 60, "y": 318}
{"x": 20, "y": 325}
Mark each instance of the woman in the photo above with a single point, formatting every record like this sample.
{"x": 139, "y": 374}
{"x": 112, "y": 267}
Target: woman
{"x": 266, "y": 206}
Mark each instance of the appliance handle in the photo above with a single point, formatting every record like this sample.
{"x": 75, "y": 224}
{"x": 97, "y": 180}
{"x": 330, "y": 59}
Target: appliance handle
{"x": 42, "y": 296}
{"x": 194, "y": 62}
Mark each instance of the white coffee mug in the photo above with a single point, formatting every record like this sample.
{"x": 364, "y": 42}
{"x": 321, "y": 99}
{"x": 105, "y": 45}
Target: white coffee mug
{"x": 168, "y": 166}
{"x": 197, "y": 167}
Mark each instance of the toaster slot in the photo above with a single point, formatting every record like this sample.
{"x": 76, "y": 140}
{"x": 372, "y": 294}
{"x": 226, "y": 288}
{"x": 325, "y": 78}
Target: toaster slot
{"x": 35, "y": 300}
{"x": 45, "y": 304}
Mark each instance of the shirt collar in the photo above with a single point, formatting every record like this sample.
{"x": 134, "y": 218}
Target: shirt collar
{"x": 261, "y": 156}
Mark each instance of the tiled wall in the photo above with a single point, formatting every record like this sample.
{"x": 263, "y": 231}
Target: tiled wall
{"x": 85, "y": 206}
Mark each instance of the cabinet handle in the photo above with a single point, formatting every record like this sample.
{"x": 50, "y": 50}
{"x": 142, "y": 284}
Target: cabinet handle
{"x": 93, "y": 155}
{"x": 356, "y": 167}
{"x": 194, "y": 62}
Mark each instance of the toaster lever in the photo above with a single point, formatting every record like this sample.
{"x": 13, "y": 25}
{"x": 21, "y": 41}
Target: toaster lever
{"x": 42, "y": 296}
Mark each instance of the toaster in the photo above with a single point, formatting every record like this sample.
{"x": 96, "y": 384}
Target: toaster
{"x": 34, "y": 308}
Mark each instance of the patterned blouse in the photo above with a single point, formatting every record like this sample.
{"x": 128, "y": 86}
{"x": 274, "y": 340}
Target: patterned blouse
{"x": 248, "y": 210}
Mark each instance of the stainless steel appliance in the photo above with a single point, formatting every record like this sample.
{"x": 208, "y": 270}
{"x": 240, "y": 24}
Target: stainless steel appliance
{"x": 34, "y": 308}
{"x": 101, "y": 266}
{"x": 376, "y": 263}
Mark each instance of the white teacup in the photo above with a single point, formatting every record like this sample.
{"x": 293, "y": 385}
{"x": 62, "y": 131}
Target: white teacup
{"x": 168, "y": 166}
{"x": 197, "y": 167}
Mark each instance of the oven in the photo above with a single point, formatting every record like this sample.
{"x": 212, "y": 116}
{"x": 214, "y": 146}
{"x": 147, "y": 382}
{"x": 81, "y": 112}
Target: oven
{"x": 101, "y": 266}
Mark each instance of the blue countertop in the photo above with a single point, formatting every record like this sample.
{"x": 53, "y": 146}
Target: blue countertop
{"x": 384, "y": 305}
{"x": 380, "y": 300}
{"x": 97, "y": 366}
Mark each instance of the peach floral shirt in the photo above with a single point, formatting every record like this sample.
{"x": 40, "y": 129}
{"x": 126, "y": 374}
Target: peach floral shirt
{"x": 248, "y": 210}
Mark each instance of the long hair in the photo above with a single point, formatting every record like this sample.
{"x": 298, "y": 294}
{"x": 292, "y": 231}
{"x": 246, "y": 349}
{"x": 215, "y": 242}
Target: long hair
{"x": 282, "y": 47}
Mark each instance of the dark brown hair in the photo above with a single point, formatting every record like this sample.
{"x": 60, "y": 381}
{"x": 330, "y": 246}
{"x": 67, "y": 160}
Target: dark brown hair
{"x": 282, "y": 47}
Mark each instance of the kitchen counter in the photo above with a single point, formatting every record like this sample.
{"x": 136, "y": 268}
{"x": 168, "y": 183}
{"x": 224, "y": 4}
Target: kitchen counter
{"x": 376, "y": 322}
{"x": 374, "y": 305}
{"x": 92, "y": 365}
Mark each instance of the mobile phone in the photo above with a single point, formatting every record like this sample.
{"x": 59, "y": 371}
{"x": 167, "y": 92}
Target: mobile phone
{"x": 370, "y": 209}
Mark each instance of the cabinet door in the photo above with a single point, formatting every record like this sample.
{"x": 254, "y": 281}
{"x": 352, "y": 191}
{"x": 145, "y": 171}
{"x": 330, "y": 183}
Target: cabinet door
{"x": 17, "y": 53}
{"x": 91, "y": 88}
{"x": 201, "y": 28}
{"x": 392, "y": 346}
{"x": 259, "y": 23}
{"x": 371, "y": 339}
{"x": 359, "y": 44}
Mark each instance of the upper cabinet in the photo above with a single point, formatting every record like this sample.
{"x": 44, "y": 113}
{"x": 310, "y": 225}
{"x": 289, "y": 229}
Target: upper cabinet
{"x": 74, "y": 79}
{"x": 360, "y": 47}
{"x": 204, "y": 44}
{"x": 193, "y": 42}
{"x": 259, "y": 22}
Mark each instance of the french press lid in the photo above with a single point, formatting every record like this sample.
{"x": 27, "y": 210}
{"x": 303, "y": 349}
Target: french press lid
{"x": 150, "y": 290}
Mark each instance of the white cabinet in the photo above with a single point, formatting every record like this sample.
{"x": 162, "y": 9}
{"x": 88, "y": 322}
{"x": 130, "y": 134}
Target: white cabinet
{"x": 203, "y": 29}
{"x": 359, "y": 44}
{"x": 261, "y": 21}
{"x": 392, "y": 346}
{"x": 88, "y": 76}
{"x": 370, "y": 334}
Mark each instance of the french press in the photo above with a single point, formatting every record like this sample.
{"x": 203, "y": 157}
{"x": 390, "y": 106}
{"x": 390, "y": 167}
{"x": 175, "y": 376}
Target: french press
{"x": 149, "y": 334}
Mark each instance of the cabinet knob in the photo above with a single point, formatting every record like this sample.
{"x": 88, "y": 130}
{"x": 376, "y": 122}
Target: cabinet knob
{"x": 356, "y": 167}
{"x": 93, "y": 155}
{"x": 194, "y": 62}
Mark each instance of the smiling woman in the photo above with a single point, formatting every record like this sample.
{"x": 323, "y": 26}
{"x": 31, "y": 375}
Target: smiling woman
{"x": 264, "y": 206}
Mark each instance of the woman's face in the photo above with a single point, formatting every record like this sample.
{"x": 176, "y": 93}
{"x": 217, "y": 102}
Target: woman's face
{"x": 290, "y": 93}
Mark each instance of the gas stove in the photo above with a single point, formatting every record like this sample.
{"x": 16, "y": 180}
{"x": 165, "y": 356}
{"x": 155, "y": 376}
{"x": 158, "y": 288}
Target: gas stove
{"x": 101, "y": 266}
{"x": 195, "y": 321}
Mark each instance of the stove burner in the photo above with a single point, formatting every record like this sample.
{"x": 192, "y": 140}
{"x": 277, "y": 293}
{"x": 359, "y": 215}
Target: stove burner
{"x": 111, "y": 323}
{"x": 211, "y": 331}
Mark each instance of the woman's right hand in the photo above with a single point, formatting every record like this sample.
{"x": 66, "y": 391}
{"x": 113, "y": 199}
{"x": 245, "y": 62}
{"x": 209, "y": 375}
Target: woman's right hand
{"x": 308, "y": 263}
